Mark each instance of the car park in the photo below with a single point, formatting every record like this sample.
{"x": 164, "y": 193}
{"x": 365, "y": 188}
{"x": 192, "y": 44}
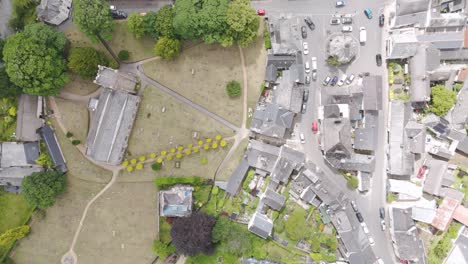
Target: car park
{"x": 261, "y": 12}
{"x": 381, "y": 20}
{"x": 304, "y": 32}
{"x": 306, "y": 48}
{"x": 382, "y": 213}
{"x": 307, "y": 67}
{"x": 347, "y": 20}
{"x": 378, "y": 59}
{"x": 309, "y": 23}
{"x": 326, "y": 81}
{"x": 314, "y": 76}
{"x": 382, "y": 225}
{"x": 371, "y": 241}
{"x": 334, "y": 81}
{"x": 304, "y": 108}
{"x": 354, "y": 206}
{"x": 307, "y": 79}
{"x": 302, "y": 138}
{"x": 305, "y": 96}
{"x": 368, "y": 13}
{"x": 340, "y": 3}
{"x": 347, "y": 29}
{"x": 350, "y": 79}
{"x": 359, "y": 217}
{"x": 315, "y": 127}
{"x": 335, "y": 21}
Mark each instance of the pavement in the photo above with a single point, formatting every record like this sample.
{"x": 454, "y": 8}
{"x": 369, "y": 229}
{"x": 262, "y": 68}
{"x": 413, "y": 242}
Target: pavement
{"x": 5, "y": 15}
{"x": 321, "y": 12}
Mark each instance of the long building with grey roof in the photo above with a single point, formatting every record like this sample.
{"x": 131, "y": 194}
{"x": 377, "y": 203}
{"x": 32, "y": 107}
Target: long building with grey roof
{"x": 54, "y": 12}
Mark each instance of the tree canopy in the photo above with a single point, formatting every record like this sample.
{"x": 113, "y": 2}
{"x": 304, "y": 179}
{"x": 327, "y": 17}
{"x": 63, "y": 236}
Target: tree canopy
{"x": 136, "y": 25}
{"x": 2, "y": 44}
{"x": 233, "y": 89}
{"x": 34, "y": 60}
{"x": 84, "y": 61}
{"x": 167, "y": 48}
{"x": 41, "y": 188}
{"x": 297, "y": 218}
{"x": 232, "y": 237}
{"x": 442, "y": 99}
{"x": 11, "y": 235}
{"x": 7, "y": 88}
{"x": 243, "y": 22}
{"x": 164, "y": 20}
{"x": 192, "y": 235}
{"x": 93, "y": 18}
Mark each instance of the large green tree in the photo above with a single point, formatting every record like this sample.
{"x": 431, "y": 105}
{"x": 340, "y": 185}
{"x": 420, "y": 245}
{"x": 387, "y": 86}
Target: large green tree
{"x": 232, "y": 237}
{"x": 297, "y": 218}
{"x": 164, "y": 21}
{"x": 41, "y": 188}
{"x": 243, "y": 22}
{"x": 93, "y": 18}
{"x": 442, "y": 99}
{"x": 7, "y": 88}
{"x": 2, "y": 44}
{"x": 150, "y": 24}
{"x": 167, "y": 48}
{"x": 84, "y": 61}
{"x": 136, "y": 24}
{"x": 212, "y": 25}
{"x": 34, "y": 60}
{"x": 185, "y": 19}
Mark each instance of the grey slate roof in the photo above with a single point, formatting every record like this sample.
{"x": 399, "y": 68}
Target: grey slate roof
{"x": 176, "y": 202}
{"x": 111, "y": 125}
{"x": 458, "y": 115}
{"x": 14, "y": 176}
{"x": 439, "y": 175}
{"x": 439, "y": 20}
{"x": 288, "y": 161}
{"x": 444, "y": 40}
{"x": 271, "y": 120}
{"x": 407, "y": 244}
{"x": 285, "y": 35}
{"x": 54, "y": 12}
{"x": 459, "y": 253}
{"x": 372, "y": 90}
{"x": 281, "y": 61}
{"x": 287, "y": 94}
{"x": 53, "y": 147}
{"x": 271, "y": 73}
{"x": 273, "y": 199}
{"x": 27, "y": 120}
{"x": 463, "y": 145}
{"x": 235, "y": 181}
{"x": 416, "y": 136}
{"x": 110, "y": 78}
{"x": 261, "y": 155}
{"x": 337, "y": 137}
{"x": 260, "y": 225}
{"x": 407, "y": 7}
{"x": 364, "y": 139}
{"x": 454, "y": 55}
{"x": 403, "y": 46}
{"x": 14, "y": 154}
{"x": 419, "y": 64}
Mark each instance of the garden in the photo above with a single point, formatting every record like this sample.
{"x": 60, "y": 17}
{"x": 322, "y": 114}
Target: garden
{"x": 8, "y": 108}
{"x": 398, "y": 82}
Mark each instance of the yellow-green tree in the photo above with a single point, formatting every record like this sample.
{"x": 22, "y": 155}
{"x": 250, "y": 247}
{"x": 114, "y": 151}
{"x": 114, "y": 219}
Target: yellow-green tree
{"x": 179, "y": 155}
{"x": 206, "y": 147}
{"x": 173, "y": 150}
{"x": 223, "y": 143}
{"x": 180, "y": 148}
{"x": 139, "y": 166}
{"x": 125, "y": 163}
{"x": 133, "y": 161}
{"x": 218, "y": 137}
{"x": 159, "y": 160}
{"x": 196, "y": 149}
{"x": 130, "y": 168}
{"x": 142, "y": 158}
{"x": 169, "y": 157}
{"x": 153, "y": 155}
{"x": 163, "y": 153}
{"x": 214, "y": 145}
{"x": 200, "y": 142}
{"x": 188, "y": 152}
{"x": 190, "y": 145}
{"x": 208, "y": 140}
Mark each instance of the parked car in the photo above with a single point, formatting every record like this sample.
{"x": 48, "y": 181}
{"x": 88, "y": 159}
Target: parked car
{"x": 342, "y": 80}
{"x": 302, "y": 138}
{"x": 368, "y": 13}
{"x": 334, "y": 81}
{"x": 381, "y": 20}
{"x": 326, "y": 81}
{"x": 382, "y": 213}
{"x": 347, "y": 20}
{"x": 309, "y": 23}
{"x": 380, "y": 261}
{"x": 304, "y": 32}
{"x": 421, "y": 172}
{"x": 364, "y": 227}
{"x": 378, "y": 59}
{"x": 306, "y": 48}
{"x": 354, "y": 205}
{"x": 304, "y": 108}
{"x": 362, "y": 35}
{"x": 307, "y": 79}
{"x": 307, "y": 67}
{"x": 347, "y": 29}
{"x": 314, "y": 64}
{"x": 315, "y": 127}
{"x": 340, "y": 3}
{"x": 382, "y": 224}
{"x": 350, "y": 79}
{"x": 314, "y": 76}
{"x": 359, "y": 217}
{"x": 305, "y": 96}
{"x": 117, "y": 14}
{"x": 335, "y": 21}
{"x": 371, "y": 241}
{"x": 261, "y": 12}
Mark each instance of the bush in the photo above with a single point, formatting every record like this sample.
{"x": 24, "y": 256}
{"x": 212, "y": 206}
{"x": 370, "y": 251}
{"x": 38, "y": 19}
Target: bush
{"x": 124, "y": 55}
{"x": 233, "y": 89}
{"x": 156, "y": 166}
{"x": 84, "y": 61}
{"x": 162, "y": 250}
{"x": 248, "y": 179}
{"x": 75, "y": 142}
{"x": 442, "y": 99}
{"x": 353, "y": 182}
{"x": 333, "y": 61}
{"x": 266, "y": 36}
{"x": 167, "y": 48}
{"x": 204, "y": 161}
{"x": 41, "y": 188}
{"x": 166, "y": 182}
{"x": 45, "y": 160}
{"x": 69, "y": 134}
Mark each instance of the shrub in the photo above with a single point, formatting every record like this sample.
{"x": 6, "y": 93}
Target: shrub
{"x": 215, "y": 190}
{"x": 223, "y": 143}
{"x": 124, "y": 55}
{"x": 167, "y": 48}
{"x": 139, "y": 166}
{"x": 442, "y": 99}
{"x": 41, "y": 188}
{"x": 153, "y": 155}
{"x": 129, "y": 168}
{"x": 333, "y": 61}
{"x": 166, "y": 182}
{"x": 248, "y": 179}
{"x": 266, "y": 36}
{"x": 156, "y": 166}
{"x": 142, "y": 158}
{"x": 162, "y": 250}
{"x": 133, "y": 161}
{"x": 353, "y": 182}
{"x": 233, "y": 89}
{"x": 76, "y": 142}
{"x": 69, "y": 134}
{"x": 169, "y": 157}
{"x": 45, "y": 160}
{"x": 204, "y": 161}
{"x": 84, "y": 61}
{"x": 125, "y": 163}
{"x": 179, "y": 155}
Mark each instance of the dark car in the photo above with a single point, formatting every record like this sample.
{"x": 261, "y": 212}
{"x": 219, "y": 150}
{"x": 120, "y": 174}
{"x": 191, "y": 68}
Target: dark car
{"x": 117, "y": 14}
{"x": 309, "y": 23}
{"x": 347, "y": 20}
{"x": 382, "y": 212}
{"x": 378, "y": 59}
{"x": 359, "y": 217}
{"x": 334, "y": 81}
{"x": 381, "y": 20}
{"x": 304, "y": 32}
{"x": 306, "y": 95}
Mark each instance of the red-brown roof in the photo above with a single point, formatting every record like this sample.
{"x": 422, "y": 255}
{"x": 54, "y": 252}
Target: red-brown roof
{"x": 461, "y": 215}
{"x": 444, "y": 213}
{"x": 465, "y": 42}
{"x": 462, "y": 74}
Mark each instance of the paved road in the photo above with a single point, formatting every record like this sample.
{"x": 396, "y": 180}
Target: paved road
{"x": 139, "y": 6}
{"x": 321, "y": 11}
{"x": 5, "y": 15}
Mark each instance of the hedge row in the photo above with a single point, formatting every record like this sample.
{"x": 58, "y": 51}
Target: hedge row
{"x": 166, "y": 182}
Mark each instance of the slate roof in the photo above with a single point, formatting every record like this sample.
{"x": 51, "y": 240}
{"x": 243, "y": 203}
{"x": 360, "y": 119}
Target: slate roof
{"x": 287, "y": 94}
{"x": 403, "y": 45}
{"x": 407, "y": 7}
{"x": 289, "y": 160}
{"x": 260, "y": 225}
{"x": 281, "y": 61}
{"x": 114, "y": 79}
{"x": 372, "y": 90}
{"x": 407, "y": 244}
{"x": 443, "y": 40}
{"x": 14, "y": 176}
{"x": 111, "y": 125}
{"x": 423, "y": 214}
{"x": 458, "y": 115}
{"x": 449, "y": 20}
{"x": 54, "y": 12}
{"x": 176, "y": 202}
{"x": 285, "y": 35}
{"x": 53, "y": 147}
{"x": 459, "y": 253}
{"x": 273, "y": 199}
{"x": 261, "y": 155}
{"x": 271, "y": 73}
{"x": 27, "y": 117}
{"x": 15, "y": 154}
{"x": 271, "y": 120}
{"x": 337, "y": 137}
{"x": 416, "y": 136}
{"x": 454, "y": 55}
{"x": 364, "y": 139}
{"x": 424, "y": 60}
{"x": 235, "y": 181}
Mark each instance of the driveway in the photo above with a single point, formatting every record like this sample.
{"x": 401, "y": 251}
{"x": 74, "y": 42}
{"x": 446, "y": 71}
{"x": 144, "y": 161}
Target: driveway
{"x": 321, "y": 12}
{"x": 5, "y": 15}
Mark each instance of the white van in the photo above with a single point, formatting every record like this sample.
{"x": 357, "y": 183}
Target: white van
{"x": 314, "y": 64}
{"x": 362, "y": 35}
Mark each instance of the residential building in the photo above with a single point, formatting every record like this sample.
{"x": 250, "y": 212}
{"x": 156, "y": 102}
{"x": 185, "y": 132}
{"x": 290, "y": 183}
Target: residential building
{"x": 444, "y": 214}
{"x": 271, "y": 120}
{"x": 260, "y": 225}
{"x": 176, "y": 202}
{"x": 273, "y": 199}
{"x": 54, "y": 12}
{"x": 459, "y": 252}
{"x": 29, "y": 117}
{"x": 53, "y": 147}
{"x": 440, "y": 175}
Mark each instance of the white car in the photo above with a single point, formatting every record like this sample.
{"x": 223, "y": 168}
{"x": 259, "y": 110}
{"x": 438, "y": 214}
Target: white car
{"x": 306, "y": 48}
{"x": 364, "y": 227}
{"x": 314, "y": 64}
{"x": 307, "y": 67}
{"x": 350, "y": 79}
{"x": 342, "y": 80}
{"x": 371, "y": 241}
{"x": 340, "y": 3}
{"x": 347, "y": 29}
{"x": 302, "y": 138}
{"x": 362, "y": 35}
